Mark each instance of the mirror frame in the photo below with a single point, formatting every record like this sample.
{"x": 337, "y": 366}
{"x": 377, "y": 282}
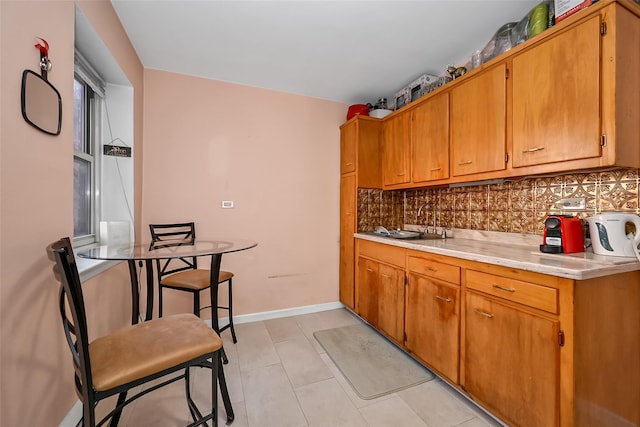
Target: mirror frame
{"x": 24, "y": 107}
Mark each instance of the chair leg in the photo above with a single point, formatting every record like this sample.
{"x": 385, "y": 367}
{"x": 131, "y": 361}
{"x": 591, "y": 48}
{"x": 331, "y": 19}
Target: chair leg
{"x": 160, "y": 301}
{"x": 214, "y": 388}
{"x": 233, "y": 330}
{"x": 195, "y": 414}
{"x": 88, "y": 414}
{"x": 224, "y": 392}
{"x": 198, "y": 418}
{"x": 196, "y": 303}
{"x": 223, "y": 356}
{"x": 116, "y": 417}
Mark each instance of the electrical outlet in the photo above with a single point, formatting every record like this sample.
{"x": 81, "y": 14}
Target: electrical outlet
{"x": 227, "y": 204}
{"x": 572, "y": 204}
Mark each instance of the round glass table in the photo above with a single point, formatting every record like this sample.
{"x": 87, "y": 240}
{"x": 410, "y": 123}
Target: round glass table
{"x": 147, "y": 253}
{"x": 137, "y": 253}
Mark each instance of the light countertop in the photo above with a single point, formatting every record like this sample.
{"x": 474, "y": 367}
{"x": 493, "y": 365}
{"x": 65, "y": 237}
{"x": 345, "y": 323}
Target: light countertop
{"x": 490, "y": 248}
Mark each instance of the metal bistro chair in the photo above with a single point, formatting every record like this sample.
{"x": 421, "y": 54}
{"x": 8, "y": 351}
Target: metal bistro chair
{"x": 133, "y": 355}
{"x": 183, "y": 274}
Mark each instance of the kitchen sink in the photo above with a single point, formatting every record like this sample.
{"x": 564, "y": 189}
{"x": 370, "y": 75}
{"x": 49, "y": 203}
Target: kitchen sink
{"x": 404, "y": 234}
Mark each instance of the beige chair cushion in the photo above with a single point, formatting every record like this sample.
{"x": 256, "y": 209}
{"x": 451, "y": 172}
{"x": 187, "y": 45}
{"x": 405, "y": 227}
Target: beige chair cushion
{"x": 137, "y": 351}
{"x": 194, "y": 279}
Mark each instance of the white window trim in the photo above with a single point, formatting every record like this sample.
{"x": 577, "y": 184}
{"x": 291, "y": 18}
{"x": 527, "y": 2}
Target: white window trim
{"x": 89, "y": 76}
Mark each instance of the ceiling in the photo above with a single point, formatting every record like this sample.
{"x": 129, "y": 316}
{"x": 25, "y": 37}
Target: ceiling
{"x": 346, "y": 51}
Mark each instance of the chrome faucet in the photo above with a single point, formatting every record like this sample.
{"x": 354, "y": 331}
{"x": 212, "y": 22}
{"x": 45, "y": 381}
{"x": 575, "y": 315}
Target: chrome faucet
{"x": 420, "y": 209}
{"x": 426, "y": 227}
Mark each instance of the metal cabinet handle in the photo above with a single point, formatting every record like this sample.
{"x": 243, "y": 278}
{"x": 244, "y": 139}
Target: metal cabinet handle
{"x": 401, "y": 174}
{"x": 348, "y": 164}
{"x": 483, "y": 313}
{"x": 532, "y": 150}
{"x": 435, "y": 169}
{"x": 445, "y": 299}
{"x": 502, "y": 288}
{"x": 468, "y": 162}
{"x": 369, "y": 270}
{"x": 431, "y": 269}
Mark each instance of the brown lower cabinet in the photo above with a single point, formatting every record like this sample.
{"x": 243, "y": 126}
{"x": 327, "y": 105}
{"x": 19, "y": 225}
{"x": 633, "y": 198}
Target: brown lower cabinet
{"x": 433, "y": 314}
{"x": 380, "y": 287}
{"x": 512, "y": 361}
{"x": 533, "y": 349}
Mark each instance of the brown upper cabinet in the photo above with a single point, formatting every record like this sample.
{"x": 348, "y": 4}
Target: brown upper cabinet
{"x": 396, "y": 147}
{"x": 348, "y": 141}
{"x": 416, "y": 144}
{"x": 565, "y": 100}
{"x": 575, "y": 96}
{"x": 430, "y": 140}
{"x": 556, "y": 98}
{"x": 478, "y": 123}
{"x": 360, "y": 150}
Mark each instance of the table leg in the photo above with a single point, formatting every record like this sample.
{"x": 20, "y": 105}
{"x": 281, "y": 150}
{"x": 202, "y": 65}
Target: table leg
{"x": 135, "y": 292}
{"x": 148, "y": 263}
{"x": 135, "y": 295}
{"x": 216, "y": 260}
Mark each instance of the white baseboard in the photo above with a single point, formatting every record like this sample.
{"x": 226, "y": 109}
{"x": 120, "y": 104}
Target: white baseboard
{"x": 75, "y": 414}
{"x": 285, "y": 312}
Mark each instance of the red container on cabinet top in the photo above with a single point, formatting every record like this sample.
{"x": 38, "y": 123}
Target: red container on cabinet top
{"x": 357, "y": 109}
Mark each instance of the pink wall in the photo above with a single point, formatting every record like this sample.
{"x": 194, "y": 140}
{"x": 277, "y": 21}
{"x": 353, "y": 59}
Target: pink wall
{"x": 275, "y": 155}
{"x": 36, "y": 205}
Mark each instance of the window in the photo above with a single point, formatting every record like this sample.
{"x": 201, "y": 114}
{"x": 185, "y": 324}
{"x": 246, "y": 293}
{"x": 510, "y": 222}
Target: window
{"x": 87, "y": 104}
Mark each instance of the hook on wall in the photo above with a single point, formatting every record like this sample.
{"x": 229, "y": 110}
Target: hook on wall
{"x": 45, "y": 62}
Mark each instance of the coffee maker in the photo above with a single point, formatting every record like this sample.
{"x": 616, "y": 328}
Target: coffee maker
{"x": 563, "y": 234}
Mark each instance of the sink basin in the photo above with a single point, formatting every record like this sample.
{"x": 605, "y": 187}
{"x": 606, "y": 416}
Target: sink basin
{"x": 397, "y": 234}
{"x": 404, "y": 234}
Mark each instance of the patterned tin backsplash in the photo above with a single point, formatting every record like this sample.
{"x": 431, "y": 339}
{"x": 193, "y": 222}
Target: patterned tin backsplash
{"x": 515, "y": 206}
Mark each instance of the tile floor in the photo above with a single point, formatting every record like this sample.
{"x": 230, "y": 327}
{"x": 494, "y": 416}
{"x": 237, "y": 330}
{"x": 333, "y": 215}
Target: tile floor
{"x": 279, "y": 376}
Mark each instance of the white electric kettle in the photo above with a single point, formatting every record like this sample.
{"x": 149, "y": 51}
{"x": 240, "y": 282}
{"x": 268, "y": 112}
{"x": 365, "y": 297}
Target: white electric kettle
{"x": 615, "y": 234}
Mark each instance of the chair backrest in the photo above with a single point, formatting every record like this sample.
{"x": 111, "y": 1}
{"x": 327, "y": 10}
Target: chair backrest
{"x": 167, "y": 235}
{"x": 75, "y": 326}
{"x": 164, "y": 235}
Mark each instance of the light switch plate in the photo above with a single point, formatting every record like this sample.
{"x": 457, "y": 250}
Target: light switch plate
{"x": 227, "y": 204}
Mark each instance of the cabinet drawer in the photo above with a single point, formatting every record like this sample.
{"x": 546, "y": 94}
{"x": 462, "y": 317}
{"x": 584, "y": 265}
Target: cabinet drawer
{"x": 380, "y": 252}
{"x": 536, "y": 296}
{"x": 436, "y": 269}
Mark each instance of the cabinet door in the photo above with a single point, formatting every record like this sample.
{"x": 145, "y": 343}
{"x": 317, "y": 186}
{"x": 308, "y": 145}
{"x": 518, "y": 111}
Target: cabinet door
{"x": 556, "y": 98}
{"x": 433, "y": 323}
{"x": 391, "y": 302}
{"x": 478, "y": 123}
{"x": 430, "y": 140}
{"x": 348, "y": 135}
{"x": 347, "y": 241}
{"x": 512, "y": 362}
{"x": 396, "y": 150}
{"x": 367, "y": 290}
